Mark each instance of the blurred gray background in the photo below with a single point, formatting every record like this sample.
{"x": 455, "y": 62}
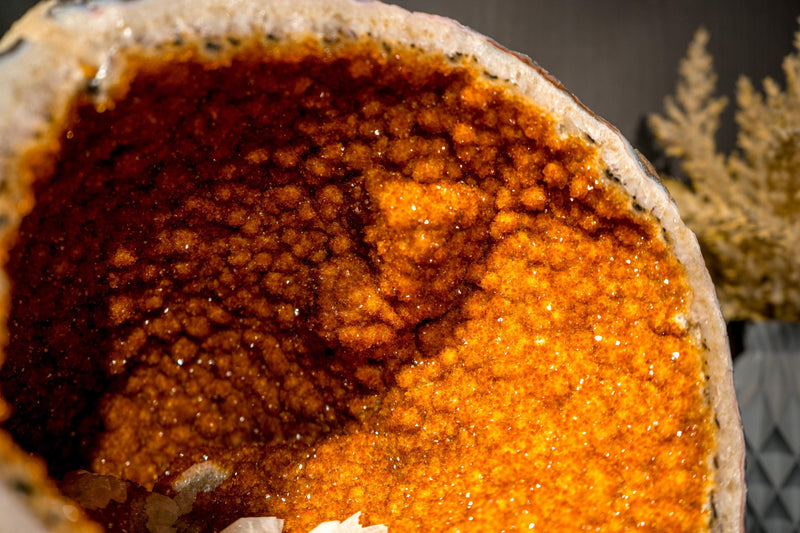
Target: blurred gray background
{"x": 620, "y": 57}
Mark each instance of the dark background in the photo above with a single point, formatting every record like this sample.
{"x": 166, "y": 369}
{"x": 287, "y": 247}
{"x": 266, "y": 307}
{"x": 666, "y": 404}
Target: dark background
{"x": 620, "y": 57}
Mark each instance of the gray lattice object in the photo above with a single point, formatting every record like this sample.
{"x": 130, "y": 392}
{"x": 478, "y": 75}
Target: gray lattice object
{"x": 767, "y": 376}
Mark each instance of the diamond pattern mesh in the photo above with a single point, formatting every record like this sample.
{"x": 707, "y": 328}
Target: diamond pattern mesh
{"x": 767, "y": 378}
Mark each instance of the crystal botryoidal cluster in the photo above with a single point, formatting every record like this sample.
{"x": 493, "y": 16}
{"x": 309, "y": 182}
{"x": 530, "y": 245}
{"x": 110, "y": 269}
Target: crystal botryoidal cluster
{"x": 744, "y": 206}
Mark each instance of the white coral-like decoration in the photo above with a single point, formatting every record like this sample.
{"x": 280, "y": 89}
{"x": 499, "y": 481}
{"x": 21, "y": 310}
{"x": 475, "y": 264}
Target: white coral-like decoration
{"x": 744, "y": 207}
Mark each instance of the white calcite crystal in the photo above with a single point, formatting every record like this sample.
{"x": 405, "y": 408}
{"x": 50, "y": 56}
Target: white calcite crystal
{"x": 275, "y": 525}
